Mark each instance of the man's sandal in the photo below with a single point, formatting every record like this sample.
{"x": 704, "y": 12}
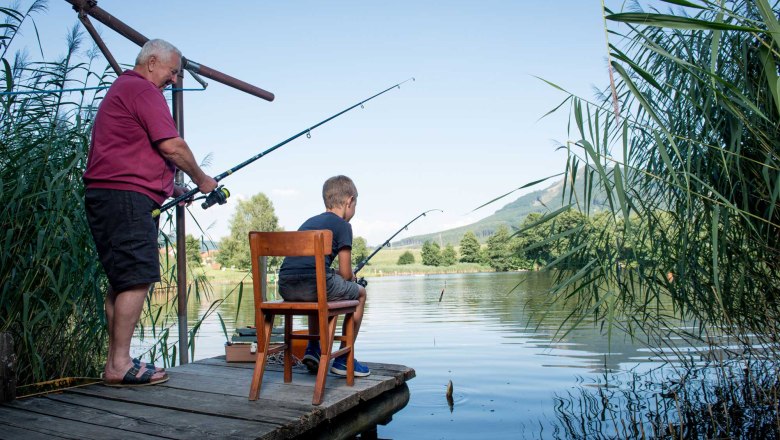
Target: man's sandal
{"x": 132, "y": 380}
{"x": 148, "y": 365}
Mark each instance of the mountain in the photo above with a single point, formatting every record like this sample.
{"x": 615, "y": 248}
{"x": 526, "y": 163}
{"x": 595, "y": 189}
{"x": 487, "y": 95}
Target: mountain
{"x": 511, "y": 214}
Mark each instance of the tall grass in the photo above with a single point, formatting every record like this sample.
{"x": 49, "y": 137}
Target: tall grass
{"x": 685, "y": 142}
{"x": 51, "y": 285}
{"x": 687, "y": 149}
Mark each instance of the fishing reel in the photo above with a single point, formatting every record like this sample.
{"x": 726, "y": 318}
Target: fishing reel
{"x": 362, "y": 282}
{"x": 218, "y": 196}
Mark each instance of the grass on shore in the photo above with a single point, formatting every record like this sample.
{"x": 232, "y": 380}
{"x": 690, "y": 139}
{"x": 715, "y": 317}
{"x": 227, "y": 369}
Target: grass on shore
{"x": 384, "y": 263}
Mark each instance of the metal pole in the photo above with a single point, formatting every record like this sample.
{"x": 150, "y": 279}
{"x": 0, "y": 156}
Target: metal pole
{"x": 100, "y": 43}
{"x": 181, "y": 240}
{"x": 91, "y": 8}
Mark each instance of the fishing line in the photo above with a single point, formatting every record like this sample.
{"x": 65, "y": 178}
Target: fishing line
{"x": 363, "y": 262}
{"x": 220, "y": 195}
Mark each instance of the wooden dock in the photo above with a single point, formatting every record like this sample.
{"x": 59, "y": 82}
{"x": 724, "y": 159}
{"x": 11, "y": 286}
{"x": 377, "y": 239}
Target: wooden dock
{"x": 208, "y": 399}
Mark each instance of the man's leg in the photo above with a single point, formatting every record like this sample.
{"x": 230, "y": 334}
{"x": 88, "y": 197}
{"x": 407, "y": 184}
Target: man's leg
{"x": 109, "y": 305}
{"x": 110, "y": 300}
{"x": 126, "y": 310}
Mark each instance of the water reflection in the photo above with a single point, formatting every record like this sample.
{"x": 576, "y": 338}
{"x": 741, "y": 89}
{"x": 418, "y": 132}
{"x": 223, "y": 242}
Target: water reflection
{"x": 482, "y": 334}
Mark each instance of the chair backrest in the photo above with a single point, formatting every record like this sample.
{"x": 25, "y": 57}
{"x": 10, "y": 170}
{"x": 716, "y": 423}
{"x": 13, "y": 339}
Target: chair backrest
{"x": 317, "y": 244}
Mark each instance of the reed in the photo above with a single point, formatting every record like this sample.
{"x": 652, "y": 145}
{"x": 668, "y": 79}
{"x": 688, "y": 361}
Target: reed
{"x": 51, "y": 285}
{"x": 685, "y": 144}
{"x": 730, "y": 398}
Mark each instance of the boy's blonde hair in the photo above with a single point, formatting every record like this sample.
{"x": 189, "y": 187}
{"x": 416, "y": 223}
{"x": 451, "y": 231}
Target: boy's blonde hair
{"x": 336, "y": 191}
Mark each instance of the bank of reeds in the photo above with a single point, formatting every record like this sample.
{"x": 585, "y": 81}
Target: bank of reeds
{"x": 732, "y": 398}
{"x": 51, "y": 286}
{"x": 685, "y": 143}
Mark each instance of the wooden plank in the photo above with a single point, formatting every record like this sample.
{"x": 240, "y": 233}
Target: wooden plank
{"x": 338, "y": 396}
{"x": 297, "y": 393}
{"x": 363, "y": 418}
{"x": 209, "y": 399}
{"x": 381, "y": 368}
{"x": 150, "y": 419}
{"x": 55, "y": 426}
{"x": 208, "y": 403}
{"x": 8, "y": 432}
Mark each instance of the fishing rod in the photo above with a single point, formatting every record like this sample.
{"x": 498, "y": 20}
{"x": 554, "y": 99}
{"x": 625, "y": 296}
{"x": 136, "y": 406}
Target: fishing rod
{"x": 387, "y": 243}
{"x": 221, "y": 194}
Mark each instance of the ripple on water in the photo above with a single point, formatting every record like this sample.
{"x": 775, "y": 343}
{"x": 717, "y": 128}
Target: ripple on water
{"x": 433, "y": 396}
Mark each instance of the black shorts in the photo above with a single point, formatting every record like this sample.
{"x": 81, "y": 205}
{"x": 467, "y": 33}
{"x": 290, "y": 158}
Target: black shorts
{"x": 125, "y": 235}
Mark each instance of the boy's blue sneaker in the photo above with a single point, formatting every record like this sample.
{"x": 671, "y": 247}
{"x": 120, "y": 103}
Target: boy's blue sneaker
{"x": 339, "y": 367}
{"x": 311, "y": 359}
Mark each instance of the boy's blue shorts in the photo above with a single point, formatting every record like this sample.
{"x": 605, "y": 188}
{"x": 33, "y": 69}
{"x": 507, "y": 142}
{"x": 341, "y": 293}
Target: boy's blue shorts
{"x": 304, "y": 287}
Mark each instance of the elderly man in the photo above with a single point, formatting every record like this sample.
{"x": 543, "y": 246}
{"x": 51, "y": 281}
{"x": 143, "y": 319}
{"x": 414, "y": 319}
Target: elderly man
{"x": 134, "y": 153}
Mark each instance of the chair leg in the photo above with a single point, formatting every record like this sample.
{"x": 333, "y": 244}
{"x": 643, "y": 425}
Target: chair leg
{"x": 263, "y": 342}
{"x": 326, "y": 347}
{"x": 349, "y": 324}
{"x": 288, "y": 324}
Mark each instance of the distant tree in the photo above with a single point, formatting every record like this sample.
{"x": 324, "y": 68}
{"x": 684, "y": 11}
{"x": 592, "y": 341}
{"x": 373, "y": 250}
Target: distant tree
{"x": 359, "y": 250}
{"x": 431, "y": 254}
{"x": 406, "y": 258}
{"x": 255, "y": 214}
{"x": 545, "y": 242}
{"x": 469, "y": 248}
{"x": 192, "y": 247}
{"x": 499, "y": 252}
{"x": 532, "y": 245}
{"x": 449, "y": 256}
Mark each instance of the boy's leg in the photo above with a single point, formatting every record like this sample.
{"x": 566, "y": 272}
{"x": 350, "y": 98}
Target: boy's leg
{"x": 339, "y": 366}
{"x": 311, "y": 358}
{"x": 357, "y": 317}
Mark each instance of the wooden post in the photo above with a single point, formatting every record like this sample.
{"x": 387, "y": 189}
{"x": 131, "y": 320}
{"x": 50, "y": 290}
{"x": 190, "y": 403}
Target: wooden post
{"x": 7, "y": 368}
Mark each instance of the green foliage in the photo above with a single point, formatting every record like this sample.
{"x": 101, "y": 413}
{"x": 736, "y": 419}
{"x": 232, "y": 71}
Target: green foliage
{"x": 469, "y": 248}
{"x": 193, "y": 249}
{"x": 540, "y": 242}
{"x": 255, "y": 214}
{"x": 693, "y": 200}
{"x": 431, "y": 254}
{"x": 499, "y": 250}
{"x": 406, "y": 258}
{"x": 51, "y": 284}
{"x": 359, "y": 250}
{"x": 449, "y": 256}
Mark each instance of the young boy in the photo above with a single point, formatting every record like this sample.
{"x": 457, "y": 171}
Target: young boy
{"x": 297, "y": 280}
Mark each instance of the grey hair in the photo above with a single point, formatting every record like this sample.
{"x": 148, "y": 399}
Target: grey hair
{"x": 337, "y": 190}
{"x": 158, "y": 48}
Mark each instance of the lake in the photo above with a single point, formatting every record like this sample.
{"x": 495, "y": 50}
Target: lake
{"x": 482, "y": 333}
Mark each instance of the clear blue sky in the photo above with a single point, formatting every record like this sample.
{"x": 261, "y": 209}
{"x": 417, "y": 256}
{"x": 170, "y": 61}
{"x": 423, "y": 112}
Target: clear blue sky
{"x": 465, "y": 131}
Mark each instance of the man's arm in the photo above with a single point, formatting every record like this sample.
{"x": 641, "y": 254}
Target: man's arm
{"x": 178, "y": 152}
{"x": 345, "y": 263}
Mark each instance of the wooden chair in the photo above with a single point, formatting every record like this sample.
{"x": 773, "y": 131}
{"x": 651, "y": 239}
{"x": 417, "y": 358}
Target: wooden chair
{"x": 301, "y": 243}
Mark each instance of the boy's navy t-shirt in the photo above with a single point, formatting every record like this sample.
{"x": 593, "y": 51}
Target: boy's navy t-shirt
{"x": 342, "y": 238}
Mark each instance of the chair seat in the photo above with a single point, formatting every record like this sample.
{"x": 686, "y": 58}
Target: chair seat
{"x": 281, "y": 305}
